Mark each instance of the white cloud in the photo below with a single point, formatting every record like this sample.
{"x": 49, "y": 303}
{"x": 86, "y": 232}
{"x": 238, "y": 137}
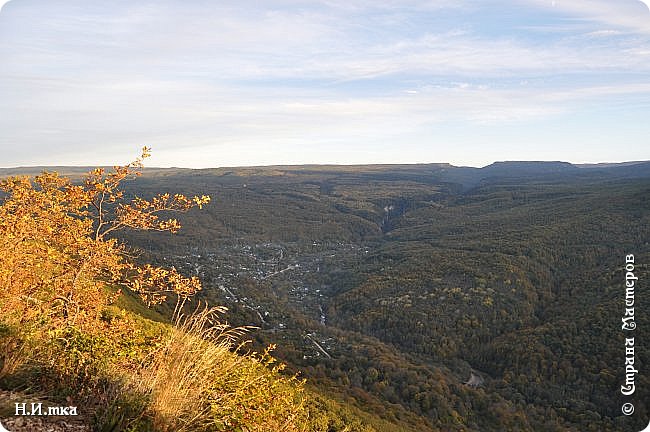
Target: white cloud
{"x": 218, "y": 43}
{"x": 249, "y": 79}
{"x": 632, "y": 15}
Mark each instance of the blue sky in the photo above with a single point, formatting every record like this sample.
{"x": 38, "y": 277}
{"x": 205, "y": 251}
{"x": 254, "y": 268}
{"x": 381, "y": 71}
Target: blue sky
{"x": 215, "y": 83}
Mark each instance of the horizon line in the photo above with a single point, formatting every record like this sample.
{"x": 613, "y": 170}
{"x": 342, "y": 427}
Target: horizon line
{"x": 576, "y": 164}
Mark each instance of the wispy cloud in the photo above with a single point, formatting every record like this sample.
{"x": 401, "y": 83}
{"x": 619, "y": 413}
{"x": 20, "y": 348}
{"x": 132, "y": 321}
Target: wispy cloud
{"x": 302, "y": 76}
{"x": 633, "y": 15}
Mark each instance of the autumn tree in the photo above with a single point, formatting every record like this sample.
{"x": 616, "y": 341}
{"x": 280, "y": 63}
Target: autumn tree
{"x": 60, "y": 264}
{"x": 61, "y": 267}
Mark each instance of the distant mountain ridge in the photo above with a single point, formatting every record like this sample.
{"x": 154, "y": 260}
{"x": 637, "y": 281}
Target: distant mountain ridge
{"x": 438, "y": 172}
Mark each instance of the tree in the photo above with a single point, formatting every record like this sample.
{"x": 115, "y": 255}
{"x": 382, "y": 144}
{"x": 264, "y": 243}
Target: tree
{"x": 60, "y": 270}
{"x": 59, "y": 264}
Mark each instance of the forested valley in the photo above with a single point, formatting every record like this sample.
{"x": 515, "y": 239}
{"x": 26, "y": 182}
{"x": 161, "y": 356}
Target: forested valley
{"x": 408, "y": 297}
{"x": 431, "y": 296}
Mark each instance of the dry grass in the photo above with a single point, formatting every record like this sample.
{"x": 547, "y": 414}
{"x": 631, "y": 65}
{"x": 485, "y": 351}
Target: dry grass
{"x": 178, "y": 375}
{"x": 12, "y": 355}
{"x": 196, "y": 382}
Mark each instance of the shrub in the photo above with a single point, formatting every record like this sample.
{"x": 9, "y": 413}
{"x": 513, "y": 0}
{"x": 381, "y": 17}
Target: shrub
{"x": 61, "y": 271}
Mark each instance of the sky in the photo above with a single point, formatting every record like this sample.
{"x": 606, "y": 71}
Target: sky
{"x": 219, "y": 83}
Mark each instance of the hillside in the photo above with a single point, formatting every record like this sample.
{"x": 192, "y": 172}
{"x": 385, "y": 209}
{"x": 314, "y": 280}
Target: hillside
{"x": 391, "y": 287}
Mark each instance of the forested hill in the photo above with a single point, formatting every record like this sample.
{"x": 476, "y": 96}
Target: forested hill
{"x": 435, "y": 297}
{"x": 442, "y": 172}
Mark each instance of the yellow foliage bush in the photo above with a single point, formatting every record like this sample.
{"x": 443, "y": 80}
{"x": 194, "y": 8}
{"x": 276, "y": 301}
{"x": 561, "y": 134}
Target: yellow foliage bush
{"x": 59, "y": 269}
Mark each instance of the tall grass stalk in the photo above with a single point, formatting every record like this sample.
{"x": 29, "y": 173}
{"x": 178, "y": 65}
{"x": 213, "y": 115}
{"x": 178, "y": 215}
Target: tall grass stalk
{"x": 195, "y": 381}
